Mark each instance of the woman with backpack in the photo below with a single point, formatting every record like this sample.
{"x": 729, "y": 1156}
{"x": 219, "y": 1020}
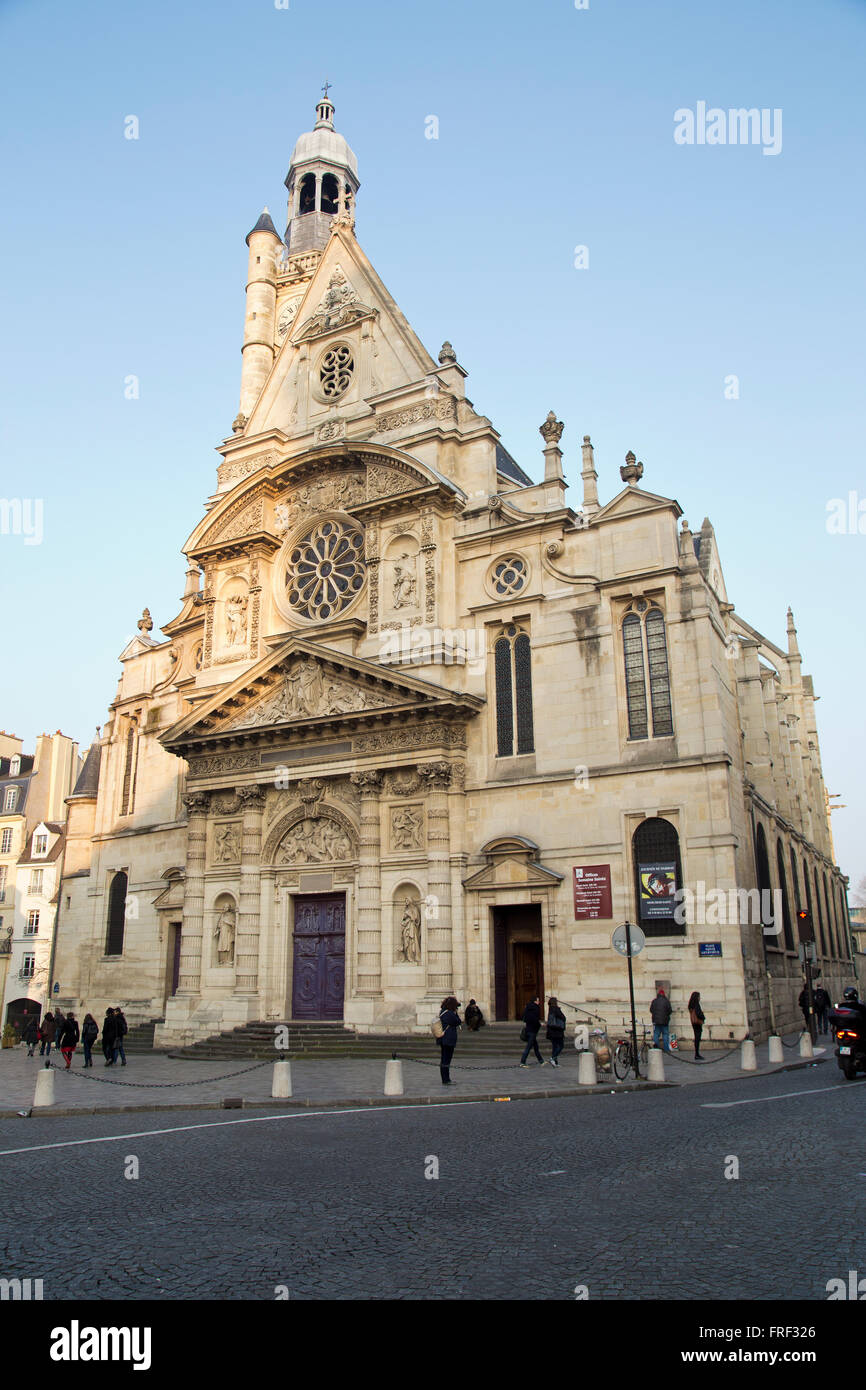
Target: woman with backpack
{"x": 89, "y": 1034}
{"x": 47, "y": 1034}
{"x": 555, "y": 1029}
{"x": 449, "y": 1022}
{"x": 698, "y": 1018}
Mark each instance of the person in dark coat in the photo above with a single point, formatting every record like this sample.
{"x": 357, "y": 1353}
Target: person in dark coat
{"x": 803, "y": 1001}
{"x": 450, "y": 1020}
{"x": 89, "y": 1034}
{"x": 47, "y": 1033}
{"x": 531, "y": 1024}
{"x": 660, "y": 1013}
{"x": 473, "y": 1017}
{"x": 823, "y": 1003}
{"x": 698, "y": 1018}
{"x": 59, "y": 1020}
{"x": 121, "y": 1028}
{"x": 68, "y": 1040}
{"x": 555, "y": 1029}
{"x": 31, "y": 1035}
{"x": 108, "y": 1032}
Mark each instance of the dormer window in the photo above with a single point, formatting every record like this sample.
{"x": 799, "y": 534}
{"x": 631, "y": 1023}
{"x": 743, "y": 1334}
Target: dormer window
{"x": 40, "y": 845}
{"x": 15, "y": 766}
{"x": 10, "y": 800}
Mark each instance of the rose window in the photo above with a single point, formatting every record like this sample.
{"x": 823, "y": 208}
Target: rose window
{"x": 325, "y": 570}
{"x": 336, "y": 370}
{"x": 509, "y": 575}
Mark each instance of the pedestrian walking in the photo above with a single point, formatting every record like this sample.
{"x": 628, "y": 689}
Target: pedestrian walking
{"x": 108, "y": 1031}
{"x": 803, "y": 1001}
{"x": 47, "y": 1035}
{"x": 473, "y": 1017}
{"x": 698, "y": 1018}
{"x": 68, "y": 1040}
{"x": 660, "y": 1013}
{"x": 529, "y": 1033}
{"x": 31, "y": 1035}
{"x": 823, "y": 1003}
{"x": 59, "y": 1020}
{"x": 555, "y": 1029}
{"x": 89, "y": 1034}
{"x": 120, "y": 1031}
{"x": 450, "y": 1020}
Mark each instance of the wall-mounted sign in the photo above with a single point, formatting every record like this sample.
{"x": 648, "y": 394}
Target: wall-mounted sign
{"x": 592, "y": 895}
{"x": 658, "y": 886}
{"x": 709, "y": 948}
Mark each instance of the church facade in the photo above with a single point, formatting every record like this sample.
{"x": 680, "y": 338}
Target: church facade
{"x": 421, "y": 727}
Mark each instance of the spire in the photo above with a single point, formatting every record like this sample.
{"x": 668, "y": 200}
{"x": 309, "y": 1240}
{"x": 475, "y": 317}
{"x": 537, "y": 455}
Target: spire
{"x": 589, "y": 476}
{"x": 793, "y": 649}
{"x": 264, "y": 224}
{"x": 325, "y": 111}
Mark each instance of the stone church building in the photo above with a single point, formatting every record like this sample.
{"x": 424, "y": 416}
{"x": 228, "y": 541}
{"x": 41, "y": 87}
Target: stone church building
{"x": 421, "y": 727}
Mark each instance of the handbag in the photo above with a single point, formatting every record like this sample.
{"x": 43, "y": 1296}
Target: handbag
{"x": 437, "y": 1029}
{"x": 524, "y": 1036}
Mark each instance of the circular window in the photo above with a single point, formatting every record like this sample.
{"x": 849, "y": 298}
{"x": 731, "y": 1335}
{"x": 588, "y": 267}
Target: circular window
{"x": 325, "y": 570}
{"x": 508, "y": 576}
{"x": 335, "y": 372}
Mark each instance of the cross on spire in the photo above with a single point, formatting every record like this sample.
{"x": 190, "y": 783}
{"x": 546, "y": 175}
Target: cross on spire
{"x": 325, "y": 89}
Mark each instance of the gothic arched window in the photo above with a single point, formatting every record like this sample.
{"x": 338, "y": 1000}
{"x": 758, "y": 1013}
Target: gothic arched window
{"x": 647, "y": 677}
{"x": 783, "y": 885}
{"x": 116, "y": 914}
{"x": 513, "y": 672}
{"x": 826, "y": 948}
{"x": 658, "y": 877}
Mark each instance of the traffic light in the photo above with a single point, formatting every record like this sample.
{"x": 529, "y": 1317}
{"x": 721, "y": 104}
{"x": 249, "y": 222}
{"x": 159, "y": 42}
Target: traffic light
{"x": 804, "y": 924}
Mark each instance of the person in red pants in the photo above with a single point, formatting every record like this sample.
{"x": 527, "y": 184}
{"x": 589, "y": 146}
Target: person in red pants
{"x": 69, "y": 1038}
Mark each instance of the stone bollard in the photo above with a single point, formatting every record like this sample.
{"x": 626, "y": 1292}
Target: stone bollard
{"x": 806, "y": 1048}
{"x": 656, "y": 1069}
{"x": 748, "y": 1057}
{"x": 394, "y": 1077}
{"x": 281, "y": 1087}
{"x": 777, "y": 1052}
{"x": 44, "y": 1086}
{"x": 586, "y": 1075}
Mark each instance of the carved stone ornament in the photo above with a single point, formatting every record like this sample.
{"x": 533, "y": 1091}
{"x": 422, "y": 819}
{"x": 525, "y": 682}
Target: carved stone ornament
{"x": 224, "y": 935}
{"x": 242, "y": 468}
{"x": 437, "y": 775}
{"x": 407, "y": 827}
{"x": 314, "y": 840}
{"x": 338, "y": 307}
{"x": 238, "y": 423}
{"x": 197, "y": 803}
{"x": 242, "y": 519}
{"x": 442, "y": 407}
{"x": 632, "y": 471}
{"x": 222, "y": 762}
{"x": 252, "y": 798}
{"x": 236, "y": 621}
{"x": 404, "y": 786}
{"x": 551, "y": 430}
{"x": 145, "y": 622}
{"x": 409, "y": 943}
{"x": 333, "y": 491}
{"x": 227, "y": 843}
{"x": 308, "y": 692}
{"x": 447, "y": 355}
{"x": 368, "y": 783}
{"x": 331, "y": 429}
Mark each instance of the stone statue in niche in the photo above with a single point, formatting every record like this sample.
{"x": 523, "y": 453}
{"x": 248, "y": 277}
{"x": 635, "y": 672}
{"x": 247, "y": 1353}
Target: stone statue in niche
{"x": 227, "y": 844}
{"x": 410, "y": 933}
{"x": 405, "y": 589}
{"x": 224, "y": 935}
{"x": 236, "y": 621}
{"x": 406, "y": 826}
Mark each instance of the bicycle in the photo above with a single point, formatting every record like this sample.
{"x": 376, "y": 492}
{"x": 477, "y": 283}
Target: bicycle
{"x": 623, "y": 1056}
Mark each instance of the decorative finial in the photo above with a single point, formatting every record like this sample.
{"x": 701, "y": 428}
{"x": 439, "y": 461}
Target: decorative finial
{"x": 145, "y": 622}
{"x": 447, "y": 355}
{"x": 632, "y": 471}
{"x": 238, "y": 423}
{"x": 551, "y": 430}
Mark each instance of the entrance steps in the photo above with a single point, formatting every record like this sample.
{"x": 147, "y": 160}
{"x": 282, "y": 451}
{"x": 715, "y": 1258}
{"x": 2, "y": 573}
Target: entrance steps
{"x": 324, "y": 1040}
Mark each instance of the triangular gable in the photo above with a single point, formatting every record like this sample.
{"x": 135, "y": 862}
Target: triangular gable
{"x": 512, "y": 873}
{"x": 402, "y": 359}
{"x": 305, "y": 683}
{"x": 633, "y": 500}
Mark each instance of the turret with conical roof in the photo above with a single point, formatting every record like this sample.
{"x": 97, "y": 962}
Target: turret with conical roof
{"x": 322, "y": 182}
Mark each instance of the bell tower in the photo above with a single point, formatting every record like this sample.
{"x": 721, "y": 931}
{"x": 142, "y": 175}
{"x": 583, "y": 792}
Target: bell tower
{"x": 322, "y": 182}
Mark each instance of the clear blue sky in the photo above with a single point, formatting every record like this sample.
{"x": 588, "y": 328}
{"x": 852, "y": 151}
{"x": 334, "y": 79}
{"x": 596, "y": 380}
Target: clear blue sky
{"x": 555, "y": 129}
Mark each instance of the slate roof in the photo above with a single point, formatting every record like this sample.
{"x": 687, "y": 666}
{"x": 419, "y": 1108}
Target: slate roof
{"x": 88, "y": 778}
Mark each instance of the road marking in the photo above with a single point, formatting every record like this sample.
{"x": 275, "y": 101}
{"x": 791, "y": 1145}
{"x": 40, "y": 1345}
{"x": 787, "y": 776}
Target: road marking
{"x": 554, "y": 1173}
{"x": 760, "y": 1100}
{"x": 253, "y": 1120}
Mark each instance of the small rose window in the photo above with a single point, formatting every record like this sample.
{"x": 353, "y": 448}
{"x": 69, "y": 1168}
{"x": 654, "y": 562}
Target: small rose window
{"x": 336, "y": 371}
{"x": 509, "y": 576}
{"x": 325, "y": 571}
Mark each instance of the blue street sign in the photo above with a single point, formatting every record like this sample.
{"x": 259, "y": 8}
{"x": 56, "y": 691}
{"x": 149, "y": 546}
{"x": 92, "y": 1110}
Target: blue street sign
{"x": 709, "y": 948}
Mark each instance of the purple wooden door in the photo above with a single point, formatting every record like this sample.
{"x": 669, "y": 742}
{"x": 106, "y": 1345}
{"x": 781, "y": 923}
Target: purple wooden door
{"x": 319, "y": 957}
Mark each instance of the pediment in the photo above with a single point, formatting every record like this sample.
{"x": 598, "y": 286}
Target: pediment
{"x": 509, "y": 872}
{"x": 306, "y": 684}
{"x": 633, "y": 500}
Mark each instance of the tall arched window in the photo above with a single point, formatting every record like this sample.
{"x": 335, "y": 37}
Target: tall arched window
{"x": 116, "y": 914}
{"x": 127, "y": 793}
{"x": 513, "y": 673}
{"x": 826, "y": 947}
{"x": 831, "y": 932}
{"x": 647, "y": 676}
{"x": 330, "y": 194}
{"x": 786, "y": 908}
{"x": 795, "y": 881}
{"x": 307, "y": 198}
{"x": 658, "y": 875}
{"x": 765, "y": 887}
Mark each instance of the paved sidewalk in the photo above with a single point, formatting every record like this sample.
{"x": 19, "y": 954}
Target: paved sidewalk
{"x": 158, "y": 1082}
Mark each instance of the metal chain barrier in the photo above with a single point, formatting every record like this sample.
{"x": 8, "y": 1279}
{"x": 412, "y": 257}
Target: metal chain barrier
{"x": 161, "y": 1085}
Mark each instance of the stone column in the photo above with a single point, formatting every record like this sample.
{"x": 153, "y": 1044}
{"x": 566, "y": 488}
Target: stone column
{"x": 192, "y": 929}
{"x": 437, "y": 778}
{"x": 369, "y": 935}
{"x": 247, "y": 943}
